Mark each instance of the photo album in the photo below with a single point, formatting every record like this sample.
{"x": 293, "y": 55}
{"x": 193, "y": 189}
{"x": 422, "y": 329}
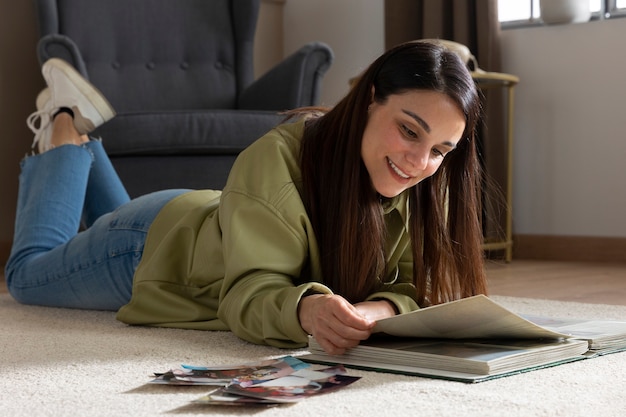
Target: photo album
{"x": 475, "y": 339}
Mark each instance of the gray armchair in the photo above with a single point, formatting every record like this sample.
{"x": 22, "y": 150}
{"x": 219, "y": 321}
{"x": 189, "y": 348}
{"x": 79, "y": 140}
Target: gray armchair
{"x": 180, "y": 76}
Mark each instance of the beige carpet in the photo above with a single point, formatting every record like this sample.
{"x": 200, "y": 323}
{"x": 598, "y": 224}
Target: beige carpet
{"x": 57, "y": 362}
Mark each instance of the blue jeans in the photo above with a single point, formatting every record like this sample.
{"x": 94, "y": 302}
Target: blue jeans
{"x": 52, "y": 263}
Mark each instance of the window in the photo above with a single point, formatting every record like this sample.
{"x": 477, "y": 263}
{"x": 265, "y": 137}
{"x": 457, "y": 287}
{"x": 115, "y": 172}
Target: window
{"x": 520, "y": 10}
{"x": 513, "y": 13}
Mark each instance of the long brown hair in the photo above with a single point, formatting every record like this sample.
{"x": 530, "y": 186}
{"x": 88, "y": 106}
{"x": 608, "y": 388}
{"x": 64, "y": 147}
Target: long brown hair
{"x": 346, "y": 211}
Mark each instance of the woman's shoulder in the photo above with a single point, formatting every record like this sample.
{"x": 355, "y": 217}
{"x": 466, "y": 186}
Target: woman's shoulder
{"x": 272, "y": 159}
{"x": 268, "y": 174}
{"x": 268, "y": 171}
{"x": 286, "y": 137}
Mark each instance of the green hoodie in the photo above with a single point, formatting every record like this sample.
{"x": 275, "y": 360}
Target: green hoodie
{"x": 241, "y": 259}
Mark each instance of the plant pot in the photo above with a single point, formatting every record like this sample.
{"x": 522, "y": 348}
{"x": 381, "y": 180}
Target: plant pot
{"x": 564, "y": 11}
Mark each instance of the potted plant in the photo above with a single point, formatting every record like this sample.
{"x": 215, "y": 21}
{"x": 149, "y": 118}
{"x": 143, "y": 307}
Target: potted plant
{"x": 564, "y": 11}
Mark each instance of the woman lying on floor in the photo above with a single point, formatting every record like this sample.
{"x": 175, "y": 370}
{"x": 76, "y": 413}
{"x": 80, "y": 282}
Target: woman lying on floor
{"x": 326, "y": 224}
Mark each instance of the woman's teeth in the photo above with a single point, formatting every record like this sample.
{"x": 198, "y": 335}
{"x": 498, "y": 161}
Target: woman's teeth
{"x": 397, "y": 170}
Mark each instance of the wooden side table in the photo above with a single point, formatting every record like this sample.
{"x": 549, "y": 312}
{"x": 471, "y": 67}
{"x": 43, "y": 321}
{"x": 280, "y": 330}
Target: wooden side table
{"x": 486, "y": 80}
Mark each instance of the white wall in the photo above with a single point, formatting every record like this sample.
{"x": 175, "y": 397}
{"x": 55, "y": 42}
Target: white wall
{"x": 354, "y": 29}
{"x": 570, "y": 135}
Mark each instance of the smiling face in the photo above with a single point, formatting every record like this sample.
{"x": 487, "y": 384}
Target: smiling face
{"x": 407, "y": 137}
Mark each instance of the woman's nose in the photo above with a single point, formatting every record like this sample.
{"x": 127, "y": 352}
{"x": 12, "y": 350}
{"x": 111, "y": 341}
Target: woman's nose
{"x": 418, "y": 157}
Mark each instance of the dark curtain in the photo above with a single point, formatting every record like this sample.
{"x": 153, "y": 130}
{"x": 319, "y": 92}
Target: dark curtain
{"x": 475, "y": 24}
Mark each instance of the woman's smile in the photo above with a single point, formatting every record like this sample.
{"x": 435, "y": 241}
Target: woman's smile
{"x": 397, "y": 170}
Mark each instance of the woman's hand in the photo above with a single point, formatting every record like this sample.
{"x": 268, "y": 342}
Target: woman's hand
{"x": 376, "y": 310}
{"x": 336, "y": 324}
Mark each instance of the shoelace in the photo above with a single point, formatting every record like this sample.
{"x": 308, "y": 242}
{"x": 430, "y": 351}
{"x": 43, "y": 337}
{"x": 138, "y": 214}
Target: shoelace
{"x": 38, "y": 122}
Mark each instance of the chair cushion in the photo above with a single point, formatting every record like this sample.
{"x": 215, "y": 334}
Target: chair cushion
{"x": 145, "y": 174}
{"x": 202, "y": 132}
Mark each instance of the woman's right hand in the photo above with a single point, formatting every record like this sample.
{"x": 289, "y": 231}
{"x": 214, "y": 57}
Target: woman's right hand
{"x": 335, "y": 323}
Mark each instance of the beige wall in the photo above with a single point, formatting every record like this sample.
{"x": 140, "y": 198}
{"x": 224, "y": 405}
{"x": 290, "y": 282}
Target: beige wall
{"x": 268, "y": 41}
{"x": 20, "y": 81}
{"x": 354, "y": 29}
{"x": 570, "y": 142}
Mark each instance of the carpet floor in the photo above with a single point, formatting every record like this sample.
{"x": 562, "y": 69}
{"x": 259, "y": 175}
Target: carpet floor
{"x": 61, "y": 362}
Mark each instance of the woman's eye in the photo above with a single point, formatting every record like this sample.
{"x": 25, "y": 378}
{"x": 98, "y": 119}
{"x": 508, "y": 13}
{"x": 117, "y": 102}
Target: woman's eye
{"x": 438, "y": 153}
{"x": 408, "y": 131}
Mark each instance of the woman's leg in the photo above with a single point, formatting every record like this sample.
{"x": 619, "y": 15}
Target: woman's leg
{"x": 105, "y": 191}
{"x": 51, "y": 193}
{"x": 50, "y": 262}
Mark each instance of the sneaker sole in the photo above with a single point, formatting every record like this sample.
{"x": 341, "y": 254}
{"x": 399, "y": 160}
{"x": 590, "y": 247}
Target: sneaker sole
{"x": 96, "y": 98}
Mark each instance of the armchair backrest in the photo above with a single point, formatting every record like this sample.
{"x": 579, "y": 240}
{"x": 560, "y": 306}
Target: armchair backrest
{"x": 156, "y": 54}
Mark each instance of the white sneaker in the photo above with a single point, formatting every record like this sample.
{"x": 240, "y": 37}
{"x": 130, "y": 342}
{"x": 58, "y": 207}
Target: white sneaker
{"x": 69, "y": 89}
{"x": 40, "y": 122}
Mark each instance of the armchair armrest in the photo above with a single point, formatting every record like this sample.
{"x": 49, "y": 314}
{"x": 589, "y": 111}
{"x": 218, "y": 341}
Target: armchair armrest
{"x": 61, "y": 46}
{"x": 294, "y": 82}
